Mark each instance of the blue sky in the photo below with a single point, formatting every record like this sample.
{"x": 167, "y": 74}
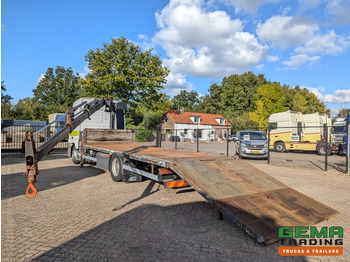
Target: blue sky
{"x": 305, "y": 43}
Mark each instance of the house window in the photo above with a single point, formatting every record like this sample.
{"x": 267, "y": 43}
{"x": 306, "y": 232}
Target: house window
{"x": 197, "y": 119}
{"x": 185, "y": 131}
{"x": 222, "y": 121}
{"x": 166, "y": 120}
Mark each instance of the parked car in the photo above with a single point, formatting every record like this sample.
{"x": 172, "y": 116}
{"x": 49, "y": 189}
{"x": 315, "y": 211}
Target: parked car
{"x": 251, "y": 144}
{"x": 231, "y": 138}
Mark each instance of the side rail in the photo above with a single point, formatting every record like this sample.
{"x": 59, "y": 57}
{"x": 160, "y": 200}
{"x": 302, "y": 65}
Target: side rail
{"x": 102, "y": 147}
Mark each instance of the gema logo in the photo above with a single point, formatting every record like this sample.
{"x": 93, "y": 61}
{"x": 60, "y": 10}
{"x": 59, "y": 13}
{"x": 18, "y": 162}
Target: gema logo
{"x": 310, "y": 241}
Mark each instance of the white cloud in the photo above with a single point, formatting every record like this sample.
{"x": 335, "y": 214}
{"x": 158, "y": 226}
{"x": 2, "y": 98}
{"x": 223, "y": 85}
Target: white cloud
{"x": 304, "y": 36}
{"x": 329, "y": 43}
{"x": 339, "y": 95}
{"x": 307, "y": 4}
{"x": 334, "y": 112}
{"x": 201, "y": 43}
{"x": 144, "y": 42}
{"x": 300, "y": 59}
{"x": 250, "y": 6}
{"x": 286, "y": 31}
{"x": 340, "y": 9}
{"x": 86, "y": 71}
{"x": 41, "y": 77}
{"x": 272, "y": 58}
{"x": 176, "y": 83}
{"x": 260, "y": 67}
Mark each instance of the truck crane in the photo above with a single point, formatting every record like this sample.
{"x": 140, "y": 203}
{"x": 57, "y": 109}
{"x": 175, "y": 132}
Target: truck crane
{"x": 255, "y": 201}
{"x": 72, "y": 120}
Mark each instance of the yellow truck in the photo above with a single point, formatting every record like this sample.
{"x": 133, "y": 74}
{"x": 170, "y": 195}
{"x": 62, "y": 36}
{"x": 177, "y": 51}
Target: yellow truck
{"x": 296, "y": 131}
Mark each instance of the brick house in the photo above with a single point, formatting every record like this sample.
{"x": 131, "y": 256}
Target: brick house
{"x": 210, "y": 126}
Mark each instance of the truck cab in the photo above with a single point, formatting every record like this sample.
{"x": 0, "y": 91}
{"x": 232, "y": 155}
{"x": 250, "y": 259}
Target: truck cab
{"x": 337, "y": 133}
{"x": 104, "y": 118}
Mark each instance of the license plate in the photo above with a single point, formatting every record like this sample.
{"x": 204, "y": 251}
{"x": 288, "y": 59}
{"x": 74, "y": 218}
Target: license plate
{"x": 255, "y": 152}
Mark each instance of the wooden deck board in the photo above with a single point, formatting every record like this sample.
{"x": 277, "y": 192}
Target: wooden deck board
{"x": 256, "y": 201}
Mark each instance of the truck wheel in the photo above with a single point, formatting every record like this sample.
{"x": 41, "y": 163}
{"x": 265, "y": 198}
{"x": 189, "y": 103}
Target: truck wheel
{"x": 321, "y": 150}
{"x": 116, "y": 168}
{"x": 280, "y": 147}
{"x": 75, "y": 157}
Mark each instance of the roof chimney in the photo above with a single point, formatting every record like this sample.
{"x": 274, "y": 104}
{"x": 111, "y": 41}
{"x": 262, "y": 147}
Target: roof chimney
{"x": 182, "y": 110}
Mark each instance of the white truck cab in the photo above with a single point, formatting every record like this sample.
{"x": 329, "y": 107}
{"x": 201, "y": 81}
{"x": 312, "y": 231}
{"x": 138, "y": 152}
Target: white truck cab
{"x": 104, "y": 118}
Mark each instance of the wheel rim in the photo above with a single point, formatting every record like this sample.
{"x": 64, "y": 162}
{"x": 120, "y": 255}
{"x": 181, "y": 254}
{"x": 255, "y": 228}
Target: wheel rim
{"x": 75, "y": 154}
{"x": 115, "y": 167}
{"x": 279, "y": 147}
{"x": 322, "y": 150}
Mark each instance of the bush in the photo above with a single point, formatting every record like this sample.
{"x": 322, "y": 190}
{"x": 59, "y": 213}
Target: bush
{"x": 142, "y": 135}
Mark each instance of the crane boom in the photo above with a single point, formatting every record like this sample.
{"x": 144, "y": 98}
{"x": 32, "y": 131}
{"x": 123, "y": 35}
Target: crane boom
{"x": 33, "y": 155}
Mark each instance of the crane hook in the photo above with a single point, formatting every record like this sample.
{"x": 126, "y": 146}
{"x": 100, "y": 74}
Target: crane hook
{"x": 33, "y": 189}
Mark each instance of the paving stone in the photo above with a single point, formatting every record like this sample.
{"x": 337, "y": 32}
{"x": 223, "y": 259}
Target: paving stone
{"x": 80, "y": 214}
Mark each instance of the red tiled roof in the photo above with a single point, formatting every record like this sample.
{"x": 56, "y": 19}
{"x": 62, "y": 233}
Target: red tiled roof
{"x": 206, "y": 119}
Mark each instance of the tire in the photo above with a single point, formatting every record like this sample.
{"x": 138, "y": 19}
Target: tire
{"x": 321, "y": 150}
{"x": 75, "y": 158}
{"x": 116, "y": 168}
{"x": 280, "y": 147}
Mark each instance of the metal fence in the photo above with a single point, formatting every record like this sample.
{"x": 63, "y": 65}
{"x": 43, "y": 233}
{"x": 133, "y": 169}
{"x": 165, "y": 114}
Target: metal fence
{"x": 12, "y": 138}
{"x": 308, "y": 148}
{"x": 298, "y": 151}
{"x": 204, "y": 140}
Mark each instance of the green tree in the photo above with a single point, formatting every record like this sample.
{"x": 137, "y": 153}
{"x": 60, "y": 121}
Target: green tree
{"x": 302, "y": 100}
{"x": 299, "y": 103}
{"x": 313, "y": 103}
{"x": 6, "y": 106}
{"x": 234, "y": 95}
{"x": 28, "y": 109}
{"x": 188, "y": 100}
{"x": 241, "y": 122}
{"x": 5, "y": 98}
{"x": 269, "y": 99}
{"x": 57, "y": 90}
{"x": 138, "y": 115}
{"x": 233, "y": 98}
{"x": 342, "y": 113}
{"x": 211, "y": 103}
{"x": 122, "y": 71}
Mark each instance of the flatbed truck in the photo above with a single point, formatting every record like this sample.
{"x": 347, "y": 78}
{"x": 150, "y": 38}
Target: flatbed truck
{"x": 256, "y": 202}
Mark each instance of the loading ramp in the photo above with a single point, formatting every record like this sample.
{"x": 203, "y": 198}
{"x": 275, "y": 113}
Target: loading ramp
{"x": 255, "y": 201}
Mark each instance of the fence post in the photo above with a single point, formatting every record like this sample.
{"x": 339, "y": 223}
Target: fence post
{"x": 268, "y": 143}
{"x": 325, "y": 127}
{"x": 175, "y": 138}
{"x": 347, "y": 141}
{"x": 197, "y": 140}
{"x": 227, "y": 149}
{"x": 47, "y": 131}
{"x": 159, "y": 136}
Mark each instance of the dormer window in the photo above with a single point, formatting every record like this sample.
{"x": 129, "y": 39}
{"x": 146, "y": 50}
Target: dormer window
{"x": 221, "y": 121}
{"x": 196, "y": 119}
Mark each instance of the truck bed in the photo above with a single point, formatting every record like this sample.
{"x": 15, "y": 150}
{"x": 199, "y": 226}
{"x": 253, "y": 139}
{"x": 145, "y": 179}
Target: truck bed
{"x": 254, "y": 200}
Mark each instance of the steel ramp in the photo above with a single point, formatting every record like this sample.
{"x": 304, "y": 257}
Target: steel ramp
{"x": 255, "y": 201}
